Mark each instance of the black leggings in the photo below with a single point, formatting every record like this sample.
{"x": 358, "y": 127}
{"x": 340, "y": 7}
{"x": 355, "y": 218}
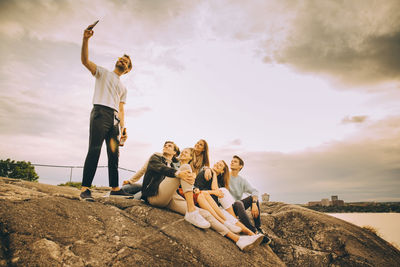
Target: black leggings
{"x": 104, "y": 125}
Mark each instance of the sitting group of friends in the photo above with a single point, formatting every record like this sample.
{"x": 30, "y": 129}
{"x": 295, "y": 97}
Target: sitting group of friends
{"x": 208, "y": 196}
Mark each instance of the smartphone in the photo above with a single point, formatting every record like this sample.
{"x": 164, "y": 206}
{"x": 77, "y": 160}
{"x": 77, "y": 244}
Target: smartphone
{"x": 122, "y": 140}
{"x": 92, "y": 26}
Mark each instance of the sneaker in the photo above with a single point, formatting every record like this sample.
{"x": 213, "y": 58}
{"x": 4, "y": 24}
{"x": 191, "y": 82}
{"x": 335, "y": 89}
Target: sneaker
{"x": 196, "y": 219}
{"x": 120, "y": 193}
{"x": 266, "y": 240}
{"x": 259, "y": 238}
{"x": 248, "y": 242}
{"x": 86, "y": 196}
{"x": 233, "y": 228}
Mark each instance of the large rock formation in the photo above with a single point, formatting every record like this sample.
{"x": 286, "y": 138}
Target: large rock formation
{"x": 303, "y": 237}
{"x": 44, "y": 225}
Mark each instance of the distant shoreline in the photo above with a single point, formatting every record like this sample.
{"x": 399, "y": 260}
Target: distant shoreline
{"x": 372, "y": 207}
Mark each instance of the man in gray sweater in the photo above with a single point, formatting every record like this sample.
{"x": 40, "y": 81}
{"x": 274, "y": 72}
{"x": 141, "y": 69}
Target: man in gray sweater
{"x": 237, "y": 187}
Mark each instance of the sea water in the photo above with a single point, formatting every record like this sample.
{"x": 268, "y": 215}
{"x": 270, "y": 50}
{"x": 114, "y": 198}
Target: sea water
{"x": 386, "y": 224}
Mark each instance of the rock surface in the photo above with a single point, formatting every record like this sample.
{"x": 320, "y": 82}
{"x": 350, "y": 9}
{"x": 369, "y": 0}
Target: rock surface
{"x": 45, "y": 225}
{"x": 303, "y": 237}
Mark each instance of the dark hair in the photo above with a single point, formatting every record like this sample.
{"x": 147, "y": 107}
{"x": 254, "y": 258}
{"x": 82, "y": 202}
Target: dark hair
{"x": 176, "y": 148}
{"x": 241, "y": 162}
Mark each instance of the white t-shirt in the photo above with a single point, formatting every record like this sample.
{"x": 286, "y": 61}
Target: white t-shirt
{"x": 108, "y": 91}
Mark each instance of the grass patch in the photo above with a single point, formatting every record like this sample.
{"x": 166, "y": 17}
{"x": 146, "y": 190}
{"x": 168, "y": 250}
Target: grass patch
{"x": 74, "y": 184}
{"x": 371, "y": 229}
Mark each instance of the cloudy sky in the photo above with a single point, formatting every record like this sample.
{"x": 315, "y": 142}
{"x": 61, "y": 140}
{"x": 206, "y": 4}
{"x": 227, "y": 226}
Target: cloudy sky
{"x": 306, "y": 92}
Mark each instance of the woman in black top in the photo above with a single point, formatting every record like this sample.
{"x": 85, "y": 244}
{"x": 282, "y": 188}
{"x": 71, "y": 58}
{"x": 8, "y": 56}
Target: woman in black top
{"x": 210, "y": 191}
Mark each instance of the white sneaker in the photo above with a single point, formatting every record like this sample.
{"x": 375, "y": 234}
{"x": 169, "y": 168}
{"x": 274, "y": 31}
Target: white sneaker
{"x": 259, "y": 237}
{"x": 196, "y": 219}
{"x": 233, "y": 228}
{"x": 229, "y": 217}
{"x": 247, "y": 242}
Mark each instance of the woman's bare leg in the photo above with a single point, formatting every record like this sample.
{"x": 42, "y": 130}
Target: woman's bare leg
{"x": 232, "y": 236}
{"x": 203, "y": 203}
{"x": 189, "y": 201}
{"x": 214, "y": 205}
{"x": 246, "y": 230}
{"x": 230, "y": 210}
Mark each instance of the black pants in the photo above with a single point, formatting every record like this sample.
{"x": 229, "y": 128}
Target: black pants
{"x": 103, "y": 126}
{"x": 240, "y": 207}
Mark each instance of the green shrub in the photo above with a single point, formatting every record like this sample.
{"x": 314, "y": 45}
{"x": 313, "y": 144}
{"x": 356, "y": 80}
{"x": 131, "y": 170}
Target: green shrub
{"x": 18, "y": 169}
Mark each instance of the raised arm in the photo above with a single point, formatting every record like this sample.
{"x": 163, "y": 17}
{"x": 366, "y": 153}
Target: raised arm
{"x": 85, "y": 52}
{"x": 214, "y": 186}
{"x": 214, "y": 182}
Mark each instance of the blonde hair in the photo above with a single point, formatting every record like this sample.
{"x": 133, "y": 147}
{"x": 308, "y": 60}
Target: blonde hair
{"x": 191, "y": 151}
{"x": 225, "y": 175}
{"x": 202, "y": 160}
{"x": 206, "y": 159}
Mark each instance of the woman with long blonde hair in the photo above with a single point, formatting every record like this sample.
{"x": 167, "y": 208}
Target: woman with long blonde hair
{"x": 200, "y": 156}
{"x": 213, "y": 190}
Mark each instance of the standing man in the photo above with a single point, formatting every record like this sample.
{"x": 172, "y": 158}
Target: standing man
{"x": 106, "y": 118}
{"x": 237, "y": 186}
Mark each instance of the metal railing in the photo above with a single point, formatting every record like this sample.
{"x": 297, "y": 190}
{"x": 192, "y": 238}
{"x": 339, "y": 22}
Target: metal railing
{"x": 74, "y": 167}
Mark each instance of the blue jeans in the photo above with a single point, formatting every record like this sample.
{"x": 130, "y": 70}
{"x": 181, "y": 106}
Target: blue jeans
{"x": 134, "y": 189}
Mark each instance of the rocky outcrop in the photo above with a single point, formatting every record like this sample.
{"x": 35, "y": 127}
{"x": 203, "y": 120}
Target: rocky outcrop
{"x": 303, "y": 237}
{"x": 44, "y": 225}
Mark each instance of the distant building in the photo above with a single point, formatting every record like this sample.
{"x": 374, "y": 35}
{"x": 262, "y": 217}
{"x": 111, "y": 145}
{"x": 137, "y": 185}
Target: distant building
{"x": 335, "y": 201}
{"x": 325, "y": 202}
{"x": 338, "y": 202}
{"x": 265, "y": 197}
{"x": 314, "y": 203}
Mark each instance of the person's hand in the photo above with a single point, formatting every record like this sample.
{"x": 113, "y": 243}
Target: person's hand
{"x": 87, "y": 33}
{"x": 254, "y": 210}
{"x": 182, "y": 174}
{"x": 207, "y": 174}
{"x": 191, "y": 178}
{"x": 123, "y": 137}
{"x": 187, "y": 176}
{"x": 219, "y": 193}
{"x": 124, "y": 134}
{"x": 196, "y": 190}
{"x": 125, "y": 182}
